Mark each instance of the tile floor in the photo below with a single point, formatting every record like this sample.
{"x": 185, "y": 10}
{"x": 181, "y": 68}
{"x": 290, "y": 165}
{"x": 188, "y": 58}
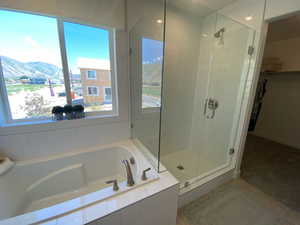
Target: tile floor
{"x": 274, "y": 169}
{"x": 237, "y": 203}
{"x": 194, "y": 165}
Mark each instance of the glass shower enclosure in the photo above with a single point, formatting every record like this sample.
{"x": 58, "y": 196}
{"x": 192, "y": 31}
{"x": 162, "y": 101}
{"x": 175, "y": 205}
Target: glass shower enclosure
{"x": 202, "y": 59}
{"x": 146, "y": 38}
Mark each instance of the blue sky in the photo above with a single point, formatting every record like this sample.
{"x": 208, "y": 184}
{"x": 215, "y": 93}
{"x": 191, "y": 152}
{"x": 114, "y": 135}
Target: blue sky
{"x": 152, "y": 50}
{"x": 85, "y": 42}
{"x": 26, "y": 37}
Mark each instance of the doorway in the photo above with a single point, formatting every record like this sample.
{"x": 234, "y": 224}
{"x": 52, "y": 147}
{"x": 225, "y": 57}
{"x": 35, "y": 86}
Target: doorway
{"x": 271, "y": 160}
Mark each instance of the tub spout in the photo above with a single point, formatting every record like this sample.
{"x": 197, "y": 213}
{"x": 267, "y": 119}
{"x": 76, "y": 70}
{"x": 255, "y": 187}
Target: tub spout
{"x": 130, "y": 181}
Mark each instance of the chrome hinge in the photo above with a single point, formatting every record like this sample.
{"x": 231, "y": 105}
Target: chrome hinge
{"x": 231, "y": 151}
{"x": 250, "y": 50}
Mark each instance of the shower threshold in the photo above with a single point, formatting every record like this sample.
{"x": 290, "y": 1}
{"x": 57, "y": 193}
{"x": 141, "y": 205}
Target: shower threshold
{"x": 204, "y": 178}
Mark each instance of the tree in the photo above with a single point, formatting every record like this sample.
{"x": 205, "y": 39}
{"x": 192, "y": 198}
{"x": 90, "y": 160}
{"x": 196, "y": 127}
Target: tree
{"x": 24, "y": 77}
{"x": 36, "y": 105}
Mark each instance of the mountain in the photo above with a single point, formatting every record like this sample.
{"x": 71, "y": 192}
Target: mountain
{"x": 154, "y": 73}
{"x": 13, "y": 69}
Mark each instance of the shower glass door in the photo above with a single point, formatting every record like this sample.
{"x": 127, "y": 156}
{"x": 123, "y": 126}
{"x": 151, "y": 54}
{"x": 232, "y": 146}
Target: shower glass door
{"x": 146, "y": 60}
{"x": 229, "y": 68}
{"x": 202, "y": 98}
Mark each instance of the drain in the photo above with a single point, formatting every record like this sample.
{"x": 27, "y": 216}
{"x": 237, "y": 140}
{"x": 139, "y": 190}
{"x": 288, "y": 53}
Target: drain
{"x": 186, "y": 184}
{"x": 180, "y": 167}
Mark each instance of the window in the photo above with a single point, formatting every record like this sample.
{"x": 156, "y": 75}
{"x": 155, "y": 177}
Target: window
{"x": 31, "y": 65}
{"x": 91, "y": 75}
{"x": 107, "y": 94}
{"x": 88, "y": 49}
{"x": 152, "y": 56}
{"x": 93, "y": 91}
{"x": 46, "y": 62}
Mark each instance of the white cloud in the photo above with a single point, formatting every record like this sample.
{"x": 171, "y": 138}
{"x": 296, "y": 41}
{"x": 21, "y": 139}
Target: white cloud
{"x": 32, "y": 42}
{"x": 29, "y": 50}
{"x": 92, "y": 63}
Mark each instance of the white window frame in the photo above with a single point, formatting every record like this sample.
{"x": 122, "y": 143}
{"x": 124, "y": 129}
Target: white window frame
{"x": 104, "y": 93}
{"x": 91, "y": 78}
{"x": 5, "y": 111}
{"x": 109, "y": 76}
{"x": 92, "y": 95}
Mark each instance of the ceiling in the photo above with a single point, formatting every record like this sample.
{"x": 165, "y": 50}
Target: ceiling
{"x": 200, "y": 7}
{"x": 284, "y": 29}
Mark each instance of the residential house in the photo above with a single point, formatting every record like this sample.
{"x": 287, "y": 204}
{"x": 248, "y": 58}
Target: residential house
{"x": 95, "y": 80}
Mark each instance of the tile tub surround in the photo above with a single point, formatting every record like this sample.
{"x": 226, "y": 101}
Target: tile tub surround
{"x": 88, "y": 199}
{"x": 236, "y": 203}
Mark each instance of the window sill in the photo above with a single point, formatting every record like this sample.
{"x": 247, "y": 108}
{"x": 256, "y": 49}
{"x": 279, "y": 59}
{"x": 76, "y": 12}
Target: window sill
{"x": 151, "y": 110}
{"x": 50, "y": 125}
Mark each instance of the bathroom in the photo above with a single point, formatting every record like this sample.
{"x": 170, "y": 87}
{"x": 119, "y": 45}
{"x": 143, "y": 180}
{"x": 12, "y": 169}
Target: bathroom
{"x": 124, "y": 112}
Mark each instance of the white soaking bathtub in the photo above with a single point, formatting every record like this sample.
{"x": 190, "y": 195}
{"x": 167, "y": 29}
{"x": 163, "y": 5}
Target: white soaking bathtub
{"x": 54, "y": 186}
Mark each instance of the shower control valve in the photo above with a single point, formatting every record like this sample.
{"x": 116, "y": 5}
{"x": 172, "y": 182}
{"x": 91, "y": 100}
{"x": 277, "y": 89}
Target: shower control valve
{"x": 211, "y": 104}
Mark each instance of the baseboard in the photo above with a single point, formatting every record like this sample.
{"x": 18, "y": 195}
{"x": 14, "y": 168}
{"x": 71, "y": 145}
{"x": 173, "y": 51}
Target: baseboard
{"x": 203, "y": 189}
{"x": 275, "y": 141}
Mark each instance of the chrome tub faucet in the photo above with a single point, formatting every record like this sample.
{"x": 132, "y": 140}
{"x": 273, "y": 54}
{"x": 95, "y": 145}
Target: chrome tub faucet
{"x": 130, "y": 180}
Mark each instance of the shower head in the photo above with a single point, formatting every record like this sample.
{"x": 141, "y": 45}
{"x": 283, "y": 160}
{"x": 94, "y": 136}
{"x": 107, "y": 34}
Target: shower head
{"x": 219, "y": 33}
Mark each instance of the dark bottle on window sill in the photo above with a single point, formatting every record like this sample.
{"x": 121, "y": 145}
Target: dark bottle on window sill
{"x": 58, "y": 113}
{"x": 78, "y": 112}
{"x": 68, "y": 109}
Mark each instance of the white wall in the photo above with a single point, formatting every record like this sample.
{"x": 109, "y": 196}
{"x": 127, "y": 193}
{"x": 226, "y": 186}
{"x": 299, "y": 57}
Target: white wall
{"x": 99, "y": 12}
{"x": 34, "y": 141}
{"x": 278, "y": 8}
{"x": 279, "y": 118}
{"x": 144, "y": 12}
{"x": 31, "y": 145}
